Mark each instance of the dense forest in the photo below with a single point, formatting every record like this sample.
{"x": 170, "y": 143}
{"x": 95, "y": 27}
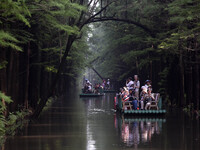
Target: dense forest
{"x": 158, "y": 40}
{"x": 46, "y": 45}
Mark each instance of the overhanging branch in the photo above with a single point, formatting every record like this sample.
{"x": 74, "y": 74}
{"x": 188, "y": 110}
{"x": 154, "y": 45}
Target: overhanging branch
{"x": 102, "y": 19}
{"x": 96, "y": 14}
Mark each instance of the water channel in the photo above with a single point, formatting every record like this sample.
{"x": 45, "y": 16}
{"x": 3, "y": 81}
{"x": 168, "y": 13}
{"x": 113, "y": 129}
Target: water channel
{"x": 74, "y": 123}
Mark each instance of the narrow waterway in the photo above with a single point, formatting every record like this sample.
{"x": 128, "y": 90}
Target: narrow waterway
{"x": 74, "y": 123}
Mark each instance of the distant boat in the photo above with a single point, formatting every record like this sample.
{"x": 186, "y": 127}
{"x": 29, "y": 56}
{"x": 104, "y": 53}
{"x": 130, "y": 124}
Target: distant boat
{"x": 109, "y": 91}
{"x": 90, "y": 95}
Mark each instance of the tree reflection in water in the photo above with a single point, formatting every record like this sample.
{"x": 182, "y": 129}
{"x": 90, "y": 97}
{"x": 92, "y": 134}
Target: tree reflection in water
{"x": 135, "y": 131}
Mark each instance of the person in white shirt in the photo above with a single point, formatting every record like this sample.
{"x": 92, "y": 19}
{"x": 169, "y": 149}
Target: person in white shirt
{"x": 142, "y": 95}
{"x": 108, "y": 84}
{"x": 129, "y": 83}
{"x": 89, "y": 88}
{"x": 136, "y": 86}
{"x": 148, "y": 98}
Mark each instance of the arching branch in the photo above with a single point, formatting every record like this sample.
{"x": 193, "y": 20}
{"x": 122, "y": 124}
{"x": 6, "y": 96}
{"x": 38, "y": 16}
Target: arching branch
{"x": 96, "y": 14}
{"x": 98, "y": 18}
{"x": 102, "y": 19}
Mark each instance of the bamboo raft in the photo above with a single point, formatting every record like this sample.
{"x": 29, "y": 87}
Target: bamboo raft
{"x": 90, "y": 95}
{"x": 138, "y": 112}
{"x": 133, "y": 112}
{"x": 145, "y": 119}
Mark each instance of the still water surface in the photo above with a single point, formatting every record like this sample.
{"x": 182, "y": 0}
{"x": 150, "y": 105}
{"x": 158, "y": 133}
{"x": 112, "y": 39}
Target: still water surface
{"x": 91, "y": 124}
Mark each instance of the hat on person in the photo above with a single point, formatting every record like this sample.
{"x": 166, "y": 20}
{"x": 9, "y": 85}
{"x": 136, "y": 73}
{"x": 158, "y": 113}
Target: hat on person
{"x": 147, "y": 81}
{"x": 144, "y": 88}
{"x": 130, "y": 89}
{"x": 125, "y": 88}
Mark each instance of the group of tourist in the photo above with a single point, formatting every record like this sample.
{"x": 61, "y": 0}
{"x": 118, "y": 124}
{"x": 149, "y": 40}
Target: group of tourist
{"x": 88, "y": 88}
{"x": 131, "y": 93}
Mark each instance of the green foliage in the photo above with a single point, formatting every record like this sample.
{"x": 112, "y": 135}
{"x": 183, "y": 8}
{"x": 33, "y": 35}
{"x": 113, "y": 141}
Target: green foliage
{"x": 189, "y": 108}
{"x": 8, "y": 40}
{"x": 3, "y": 64}
{"x": 7, "y": 100}
{"x": 49, "y": 103}
{"x": 13, "y": 121}
{"x": 51, "y": 69}
{"x": 3, "y": 121}
{"x": 14, "y": 11}
{"x": 76, "y": 58}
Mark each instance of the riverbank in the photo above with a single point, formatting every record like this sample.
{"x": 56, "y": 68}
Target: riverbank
{"x": 13, "y": 123}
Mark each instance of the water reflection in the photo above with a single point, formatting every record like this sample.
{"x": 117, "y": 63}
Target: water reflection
{"x": 96, "y": 111}
{"x": 90, "y": 124}
{"x": 90, "y": 141}
{"x": 135, "y": 131}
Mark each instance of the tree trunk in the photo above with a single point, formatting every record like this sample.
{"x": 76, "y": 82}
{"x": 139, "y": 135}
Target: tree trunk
{"x": 27, "y": 77}
{"x": 137, "y": 66}
{"x": 3, "y": 77}
{"x": 182, "y": 85}
{"x": 14, "y": 78}
{"x": 54, "y": 83}
{"x": 60, "y": 44}
{"x": 126, "y": 11}
{"x": 189, "y": 80}
{"x": 190, "y": 86}
{"x": 97, "y": 73}
{"x": 197, "y": 76}
{"x": 34, "y": 77}
{"x": 10, "y": 72}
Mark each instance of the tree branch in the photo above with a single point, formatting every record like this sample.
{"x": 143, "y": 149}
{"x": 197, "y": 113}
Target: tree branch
{"x": 89, "y": 3}
{"x": 93, "y": 16}
{"x": 102, "y": 19}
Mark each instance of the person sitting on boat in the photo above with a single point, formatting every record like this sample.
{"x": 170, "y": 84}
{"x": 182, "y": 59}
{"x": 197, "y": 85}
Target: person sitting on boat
{"x": 125, "y": 94}
{"x": 148, "y": 84}
{"x": 103, "y": 84}
{"x": 87, "y": 81}
{"x": 129, "y": 83}
{"x": 85, "y": 89}
{"x": 121, "y": 90}
{"x": 142, "y": 94}
{"x": 132, "y": 98}
{"x": 108, "y": 84}
{"x": 136, "y": 85}
{"x": 148, "y": 98}
{"x": 89, "y": 88}
{"x": 96, "y": 88}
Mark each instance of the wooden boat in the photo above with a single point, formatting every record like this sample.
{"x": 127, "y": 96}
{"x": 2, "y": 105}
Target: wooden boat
{"x": 109, "y": 91}
{"x": 90, "y": 95}
{"x": 127, "y": 110}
